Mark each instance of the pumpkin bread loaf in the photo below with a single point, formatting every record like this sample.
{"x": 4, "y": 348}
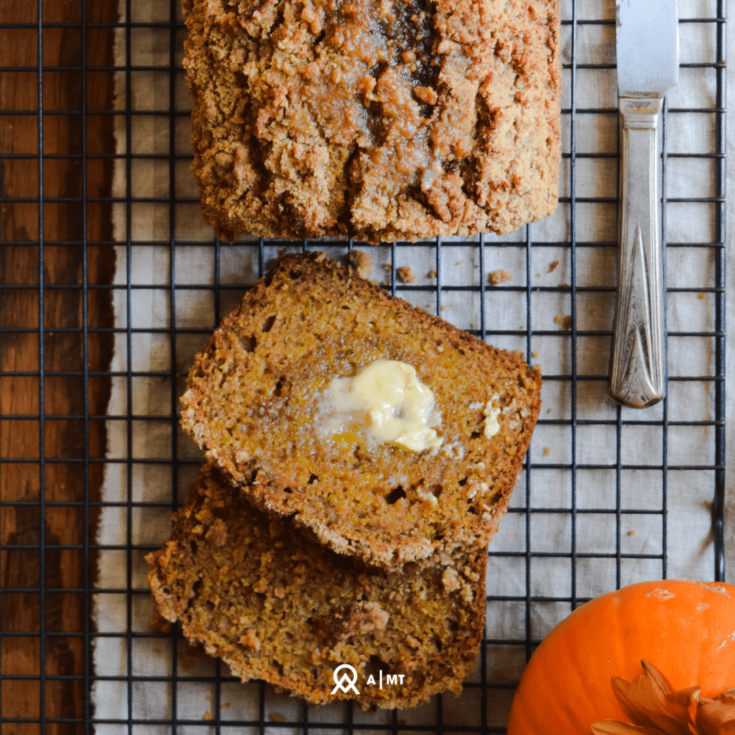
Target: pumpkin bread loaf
{"x": 375, "y": 119}
{"x": 255, "y": 399}
{"x": 276, "y": 606}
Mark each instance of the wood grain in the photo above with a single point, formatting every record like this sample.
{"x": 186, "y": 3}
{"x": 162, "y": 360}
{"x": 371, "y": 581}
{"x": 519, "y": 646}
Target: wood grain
{"x": 43, "y": 245}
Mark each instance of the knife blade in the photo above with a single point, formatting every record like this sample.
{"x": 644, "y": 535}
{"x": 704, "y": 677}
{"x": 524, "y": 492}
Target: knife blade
{"x": 647, "y": 47}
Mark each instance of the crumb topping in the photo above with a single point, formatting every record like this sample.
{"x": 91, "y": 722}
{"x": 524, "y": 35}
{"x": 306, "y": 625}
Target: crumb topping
{"x": 376, "y": 119}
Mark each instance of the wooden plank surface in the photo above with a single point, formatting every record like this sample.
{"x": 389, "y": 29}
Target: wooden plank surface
{"x": 52, "y": 257}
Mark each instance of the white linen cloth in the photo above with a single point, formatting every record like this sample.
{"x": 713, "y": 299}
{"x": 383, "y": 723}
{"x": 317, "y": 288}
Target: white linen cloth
{"x": 144, "y": 386}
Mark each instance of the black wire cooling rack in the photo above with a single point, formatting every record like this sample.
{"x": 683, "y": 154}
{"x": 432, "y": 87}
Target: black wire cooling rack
{"x": 94, "y": 182}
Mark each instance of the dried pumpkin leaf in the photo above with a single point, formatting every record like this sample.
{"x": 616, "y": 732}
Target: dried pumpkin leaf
{"x": 644, "y": 701}
{"x": 717, "y": 716}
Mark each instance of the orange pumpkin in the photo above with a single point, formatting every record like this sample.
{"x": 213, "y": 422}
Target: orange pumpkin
{"x": 685, "y": 629}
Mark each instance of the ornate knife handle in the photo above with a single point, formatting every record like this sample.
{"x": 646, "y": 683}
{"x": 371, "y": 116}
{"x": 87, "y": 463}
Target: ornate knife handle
{"x": 638, "y": 360}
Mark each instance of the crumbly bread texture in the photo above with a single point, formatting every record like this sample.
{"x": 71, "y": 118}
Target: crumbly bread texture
{"x": 253, "y": 403}
{"x": 277, "y": 606}
{"x": 379, "y": 120}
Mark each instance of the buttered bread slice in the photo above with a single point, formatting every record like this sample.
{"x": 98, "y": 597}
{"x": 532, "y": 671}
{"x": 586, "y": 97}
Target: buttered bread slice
{"x": 388, "y": 433}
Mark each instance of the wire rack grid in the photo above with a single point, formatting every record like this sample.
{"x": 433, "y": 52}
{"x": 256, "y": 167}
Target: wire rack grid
{"x": 110, "y": 283}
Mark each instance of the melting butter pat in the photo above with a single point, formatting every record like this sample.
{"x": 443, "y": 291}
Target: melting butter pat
{"x": 385, "y": 402}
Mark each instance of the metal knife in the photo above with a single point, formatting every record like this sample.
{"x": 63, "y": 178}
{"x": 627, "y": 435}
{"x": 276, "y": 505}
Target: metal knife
{"x": 647, "y": 41}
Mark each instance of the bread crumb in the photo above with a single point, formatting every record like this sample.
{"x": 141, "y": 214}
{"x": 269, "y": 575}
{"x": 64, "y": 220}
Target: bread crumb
{"x": 564, "y": 285}
{"x": 426, "y": 94}
{"x": 701, "y": 296}
{"x": 208, "y": 716}
{"x": 546, "y": 451}
{"x": 276, "y": 717}
{"x": 250, "y": 640}
{"x": 360, "y": 619}
{"x": 459, "y": 262}
{"x": 564, "y": 321}
{"x": 497, "y": 277}
{"x": 217, "y": 533}
{"x": 361, "y": 262}
{"x": 534, "y": 354}
{"x": 552, "y": 267}
{"x": 450, "y": 580}
{"x": 388, "y": 266}
{"x": 432, "y": 274}
{"x": 548, "y": 410}
{"x": 631, "y": 532}
{"x": 405, "y": 274}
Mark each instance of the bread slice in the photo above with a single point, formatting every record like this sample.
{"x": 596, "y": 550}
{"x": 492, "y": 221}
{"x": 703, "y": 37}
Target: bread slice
{"x": 374, "y": 119}
{"x": 253, "y": 403}
{"x": 275, "y": 605}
